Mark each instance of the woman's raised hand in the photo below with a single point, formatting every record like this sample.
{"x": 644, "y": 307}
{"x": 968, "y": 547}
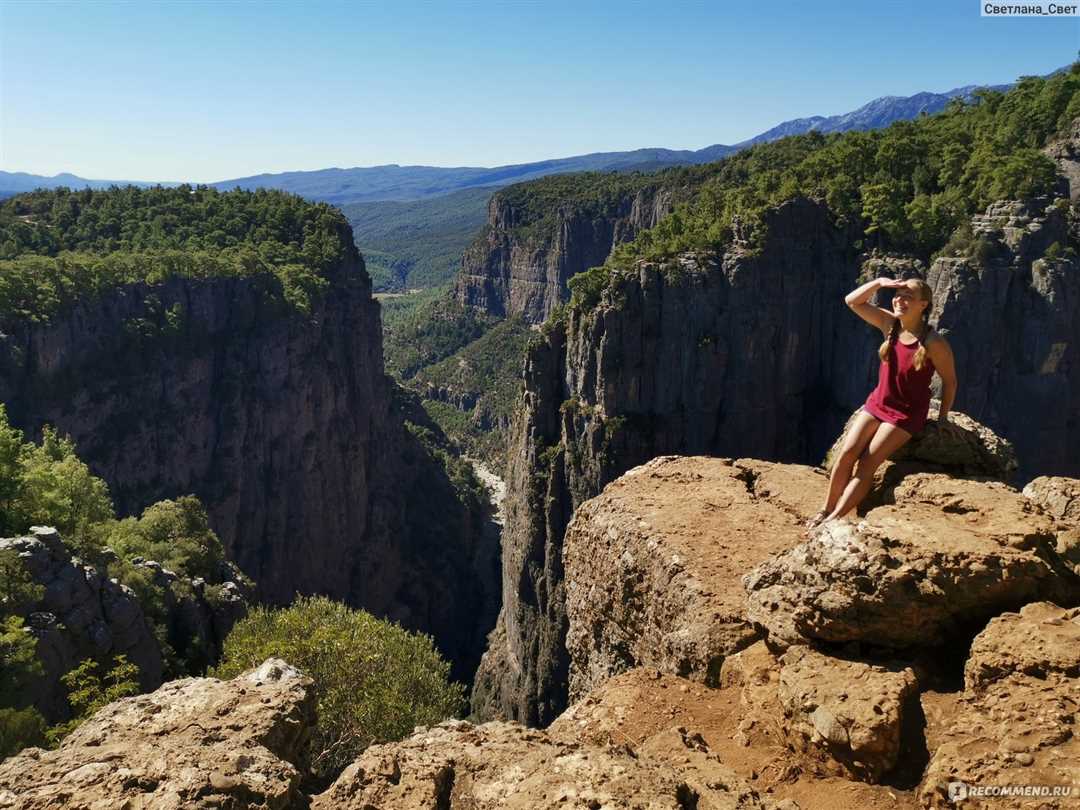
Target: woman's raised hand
{"x": 891, "y": 282}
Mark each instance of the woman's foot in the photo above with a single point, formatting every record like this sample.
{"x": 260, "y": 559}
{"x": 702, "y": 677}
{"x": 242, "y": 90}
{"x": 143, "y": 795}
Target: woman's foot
{"x": 814, "y": 522}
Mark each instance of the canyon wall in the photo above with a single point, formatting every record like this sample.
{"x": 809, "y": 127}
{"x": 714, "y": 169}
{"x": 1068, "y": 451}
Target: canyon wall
{"x": 282, "y": 422}
{"x": 511, "y": 270}
{"x": 752, "y": 354}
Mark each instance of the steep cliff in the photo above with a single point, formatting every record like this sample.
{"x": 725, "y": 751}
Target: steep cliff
{"x": 1011, "y": 312}
{"x": 521, "y": 262}
{"x": 743, "y": 354}
{"x": 281, "y": 421}
{"x": 752, "y": 354}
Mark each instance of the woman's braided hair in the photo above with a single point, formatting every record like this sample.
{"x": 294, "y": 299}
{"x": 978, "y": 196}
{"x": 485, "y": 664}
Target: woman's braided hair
{"x": 927, "y": 295}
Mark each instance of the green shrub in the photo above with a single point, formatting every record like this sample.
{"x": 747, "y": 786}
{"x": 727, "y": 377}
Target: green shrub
{"x": 47, "y": 485}
{"x": 17, "y": 589}
{"x": 21, "y": 728}
{"x": 374, "y": 681}
{"x": 20, "y": 725}
{"x": 88, "y": 692}
{"x": 176, "y": 534}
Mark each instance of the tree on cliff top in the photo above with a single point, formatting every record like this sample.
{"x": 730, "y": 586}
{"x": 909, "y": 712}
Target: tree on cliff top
{"x": 374, "y": 681}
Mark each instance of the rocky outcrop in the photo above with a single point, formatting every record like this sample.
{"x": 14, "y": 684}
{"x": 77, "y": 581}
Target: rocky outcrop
{"x": 974, "y": 450}
{"x": 653, "y": 565}
{"x": 459, "y": 765}
{"x": 1065, "y": 152}
{"x": 1014, "y": 727}
{"x": 510, "y": 272}
{"x": 944, "y": 555}
{"x": 284, "y": 425}
{"x": 743, "y": 355}
{"x": 200, "y": 614}
{"x": 1058, "y": 497}
{"x": 734, "y": 733}
{"x": 852, "y": 709}
{"x": 194, "y": 743}
{"x": 84, "y": 613}
{"x": 856, "y": 683}
{"x": 752, "y": 354}
{"x": 81, "y": 614}
{"x": 1010, "y": 315}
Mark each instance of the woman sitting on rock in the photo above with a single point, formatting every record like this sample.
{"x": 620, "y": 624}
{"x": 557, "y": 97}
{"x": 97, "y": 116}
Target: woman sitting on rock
{"x": 898, "y": 407}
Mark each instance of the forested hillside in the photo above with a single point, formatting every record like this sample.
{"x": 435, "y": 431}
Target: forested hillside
{"x": 60, "y": 246}
{"x": 910, "y": 186}
{"x": 227, "y": 345}
{"x": 416, "y": 244}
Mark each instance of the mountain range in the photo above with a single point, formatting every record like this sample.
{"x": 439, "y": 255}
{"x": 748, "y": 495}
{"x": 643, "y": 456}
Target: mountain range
{"x": 394, "y": 182}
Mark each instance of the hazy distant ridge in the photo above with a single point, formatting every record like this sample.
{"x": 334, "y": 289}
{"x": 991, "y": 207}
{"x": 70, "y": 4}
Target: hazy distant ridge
{"x": 394, "y": 182}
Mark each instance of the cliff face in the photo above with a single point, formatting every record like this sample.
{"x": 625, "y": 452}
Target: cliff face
{"x": 281, "y": 422}
{"x": 83, "y": 613}
{"x": 507, "y": 273}
{"x": 741, "y": 355}
{"x": 1012, "y": 316}
{"x": 753, "y": 355}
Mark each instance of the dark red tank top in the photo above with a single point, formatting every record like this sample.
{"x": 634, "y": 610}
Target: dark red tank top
{"x": 902, "y": 396}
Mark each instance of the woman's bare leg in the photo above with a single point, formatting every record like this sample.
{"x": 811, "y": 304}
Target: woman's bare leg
{"x": 855, "y": 445}
{"x": 887, "y": 439}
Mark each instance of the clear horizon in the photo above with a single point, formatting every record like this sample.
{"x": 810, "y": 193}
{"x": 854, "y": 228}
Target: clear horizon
{"x": 201, "y": 92}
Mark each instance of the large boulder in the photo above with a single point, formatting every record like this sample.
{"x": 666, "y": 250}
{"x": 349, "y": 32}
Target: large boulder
{"x": 460, "y": 766}
{"x": 850, "y": 709}
{"x": 194, "y": 743}
{"x": 737, "y": 733}
{"x": 1014, "y": 727}
{"x": 653, "y": 564}
{"x": 973, "y": 450}
{"x": 1059, "y": 498}
{"x": 945, "y": 556}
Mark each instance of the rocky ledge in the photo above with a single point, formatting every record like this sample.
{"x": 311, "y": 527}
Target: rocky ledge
{"x": 194, "y": 743}
{"x": 718, "y": 658}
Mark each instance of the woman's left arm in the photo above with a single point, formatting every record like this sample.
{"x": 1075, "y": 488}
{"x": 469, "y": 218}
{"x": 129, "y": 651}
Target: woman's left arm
{"x": 941, "y": 354}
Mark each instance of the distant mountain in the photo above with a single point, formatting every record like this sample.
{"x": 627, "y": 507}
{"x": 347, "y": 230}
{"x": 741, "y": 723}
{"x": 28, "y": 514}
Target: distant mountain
{"x": 404, "y": 183}
{"x": 417, "y": 243}
{"x": 12, "y": 183}
{"x": 877, "y": 114}
{"x": 394, "y": 182}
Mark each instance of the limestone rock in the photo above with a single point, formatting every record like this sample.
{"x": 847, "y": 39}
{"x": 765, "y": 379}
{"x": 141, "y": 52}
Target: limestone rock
{"x": 1041, "y": 640}
{"x": 735, "y": 734}
{"x": 199, "y": 615}
{"x": 1060, "y": 499}
{"x": 653, "y": 564}
{"x": 1016, "y": 719}
{"x": 947, "y": 553}
{"x": 505, "y": 273}
{"x": 459, "y": 766}
{"x": 1065, "y": 152}
{"x": 974, "y": 450}
{"x": 194, "y": 743}
{"x": 851, "y": 709}
{"x": 81, "y": 614}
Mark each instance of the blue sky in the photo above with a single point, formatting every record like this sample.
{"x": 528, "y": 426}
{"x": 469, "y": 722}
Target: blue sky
{"x": 207, "y": 91}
